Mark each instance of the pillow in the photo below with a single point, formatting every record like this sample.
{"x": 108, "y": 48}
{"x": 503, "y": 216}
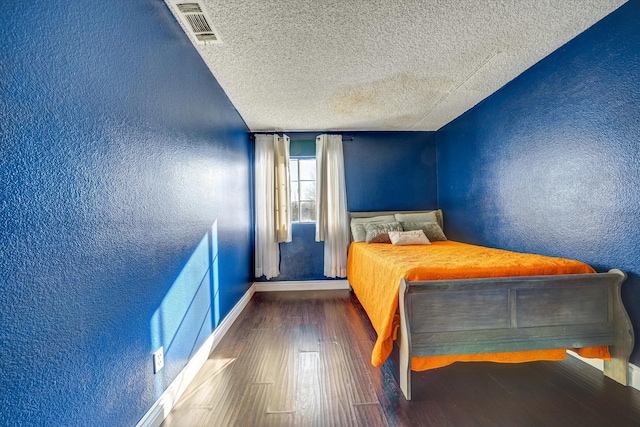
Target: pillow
{"x": 379, "y": 233}
{"x": 414, "y": 237}
{"x": 417, "y": 217}
{"x": 431, "y": 229}
{"x": 357, "y": 228}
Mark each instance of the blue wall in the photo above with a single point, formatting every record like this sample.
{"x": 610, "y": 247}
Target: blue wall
{"x": 391, "y": 171}
{"x": 383, "y": 171}
{"x": 302, "y": 258}
{"x": 551, "y": 162}
{"x": 124, "y": 208}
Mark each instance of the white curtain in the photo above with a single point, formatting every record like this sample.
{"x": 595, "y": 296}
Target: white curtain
{"x": 272, "y": 202}
{"x": 332, "y": 218}
{"x": 282, "y": 193}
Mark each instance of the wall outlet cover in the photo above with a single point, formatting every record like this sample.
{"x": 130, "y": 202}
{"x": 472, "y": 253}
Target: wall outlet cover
{"x": 158, "y": 360}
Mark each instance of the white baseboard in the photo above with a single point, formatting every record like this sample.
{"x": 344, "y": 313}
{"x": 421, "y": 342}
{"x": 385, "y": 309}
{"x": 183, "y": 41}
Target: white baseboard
{"x": 634, "y": 371}
{"x": 307, "y": 285}
{"x": 165, "y": 403}
{"x": 634, "y": 376}
{"x": 596, "y": 363}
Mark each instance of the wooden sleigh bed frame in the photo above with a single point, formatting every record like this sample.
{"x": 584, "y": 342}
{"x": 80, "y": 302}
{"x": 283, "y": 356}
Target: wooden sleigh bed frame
{"x": 488, "y": 315}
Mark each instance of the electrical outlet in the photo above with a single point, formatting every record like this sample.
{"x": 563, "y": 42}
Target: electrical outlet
{"x": 158, "y": 360}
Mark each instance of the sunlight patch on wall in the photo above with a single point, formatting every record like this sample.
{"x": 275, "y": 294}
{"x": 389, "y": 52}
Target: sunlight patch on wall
{"x": 189, "y": 311}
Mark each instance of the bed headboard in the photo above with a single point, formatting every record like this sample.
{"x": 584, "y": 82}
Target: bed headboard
{"x": 371, "y": 214}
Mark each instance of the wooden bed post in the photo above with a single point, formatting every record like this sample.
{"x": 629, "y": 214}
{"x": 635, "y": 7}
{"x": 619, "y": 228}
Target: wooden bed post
{"x": 405, "y": 343}
{"x": 618, "y": 368}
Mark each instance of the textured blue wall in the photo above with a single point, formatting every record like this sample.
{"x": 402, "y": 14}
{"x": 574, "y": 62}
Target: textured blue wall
{"x": 303, "y": 257}
{"x": 551, "y": 163}
{"x": 383, "y": 171}
{"x": 124, "y": 208}
{"x": 391, "y": 171}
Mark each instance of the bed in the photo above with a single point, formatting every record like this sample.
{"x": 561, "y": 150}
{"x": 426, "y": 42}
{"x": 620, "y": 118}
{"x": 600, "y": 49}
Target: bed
{"x": 495, "y": 308}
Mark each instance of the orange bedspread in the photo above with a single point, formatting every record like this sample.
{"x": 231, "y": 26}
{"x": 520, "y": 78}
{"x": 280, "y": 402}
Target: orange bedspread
{"x": 374, "y": 271}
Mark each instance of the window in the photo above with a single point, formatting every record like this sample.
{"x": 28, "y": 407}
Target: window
{"x": 303, "y": 189}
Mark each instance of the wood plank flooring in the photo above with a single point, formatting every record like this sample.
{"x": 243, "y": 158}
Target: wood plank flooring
{"x": 303, "y": 359}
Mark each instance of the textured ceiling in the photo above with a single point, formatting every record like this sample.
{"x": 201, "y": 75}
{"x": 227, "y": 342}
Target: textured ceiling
{"x": 299, "y": 65}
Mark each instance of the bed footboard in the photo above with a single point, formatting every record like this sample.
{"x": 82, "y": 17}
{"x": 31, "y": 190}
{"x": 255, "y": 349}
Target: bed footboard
{"x": 490, "y": 315}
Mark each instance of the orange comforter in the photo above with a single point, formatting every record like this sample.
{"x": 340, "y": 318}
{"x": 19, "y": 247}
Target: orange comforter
{"x": 374, "y": 272}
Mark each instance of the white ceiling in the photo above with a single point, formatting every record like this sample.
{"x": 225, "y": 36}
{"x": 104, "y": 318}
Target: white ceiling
{"x": 309, "y": 65}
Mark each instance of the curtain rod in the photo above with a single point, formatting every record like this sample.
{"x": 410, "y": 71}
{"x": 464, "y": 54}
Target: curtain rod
{"x": 252, "y": 137}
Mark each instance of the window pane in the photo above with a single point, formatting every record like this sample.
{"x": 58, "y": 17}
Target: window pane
{"x": 302, "y": 178}
{"x": 308, "y": 190}
{"x": 307, "y": 211}
{"x": 294, "y": 191}
{"x": 293, "y": 169}
{"x": 307, "y": 169}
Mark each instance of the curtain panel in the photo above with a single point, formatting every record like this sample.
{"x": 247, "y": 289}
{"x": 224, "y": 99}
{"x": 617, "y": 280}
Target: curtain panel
{"x": 272, "y": 202}
{"x": 332, "y": 218}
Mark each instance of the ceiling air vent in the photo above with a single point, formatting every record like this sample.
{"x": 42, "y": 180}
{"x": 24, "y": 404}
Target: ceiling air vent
{"x": 195, "y": 20}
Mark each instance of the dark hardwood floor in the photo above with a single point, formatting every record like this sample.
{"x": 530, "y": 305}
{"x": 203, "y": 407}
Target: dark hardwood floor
{"x": 302, "y": 359}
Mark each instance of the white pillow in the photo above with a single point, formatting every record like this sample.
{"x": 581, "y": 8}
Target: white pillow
{"x": 358, "y": 231}
{"x": 403, "y": 238}
{"x": 417, "y": 217}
